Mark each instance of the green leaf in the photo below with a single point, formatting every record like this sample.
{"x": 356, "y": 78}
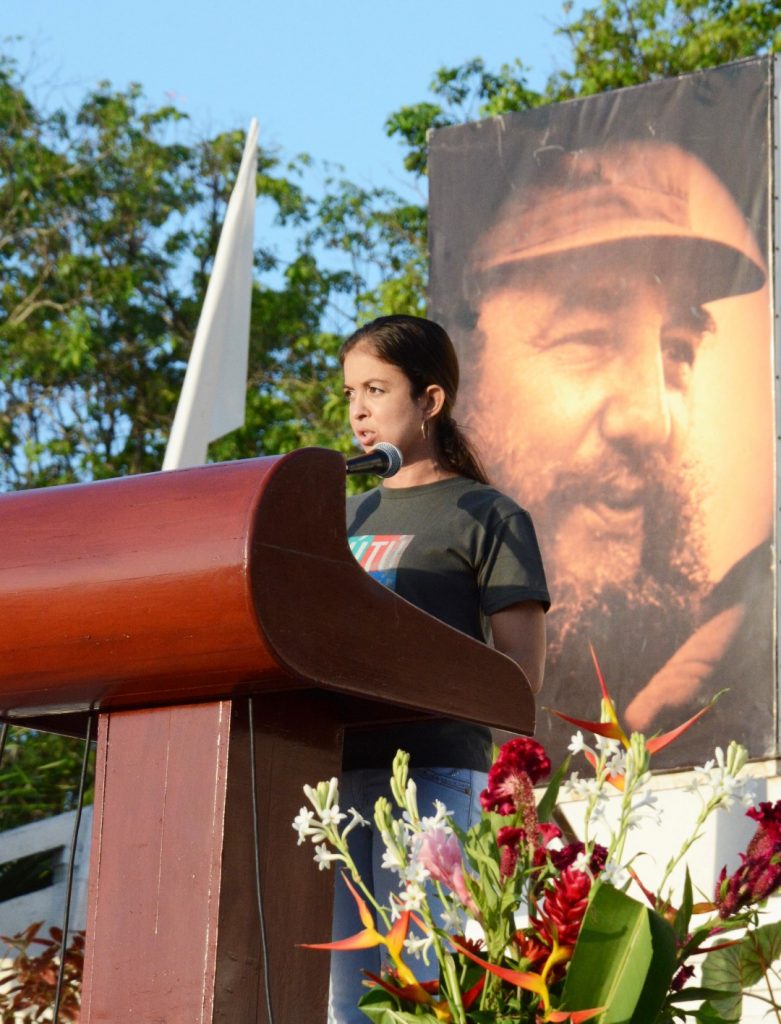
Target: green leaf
{"x": 723, "y": 970}
{"x": 694, "y": 994}
{"x": 382, "y": 1008}
{"x": 735, "y": 968}
{"x": 761, "y": 948}
{"x": 684, "y": 912}
{"x": 387, "y": 1015}
{"x": 707, "y": 1015}
{"x": 551, "y": 794}
{"x": 624, "y": 960}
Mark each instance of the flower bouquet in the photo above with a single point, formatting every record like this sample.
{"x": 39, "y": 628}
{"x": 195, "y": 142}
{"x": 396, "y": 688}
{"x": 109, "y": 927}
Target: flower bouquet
{"x": 527, "y": 922}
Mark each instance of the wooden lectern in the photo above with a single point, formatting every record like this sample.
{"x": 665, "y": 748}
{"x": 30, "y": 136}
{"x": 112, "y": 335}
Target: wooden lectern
{"x": 158, "y": 602}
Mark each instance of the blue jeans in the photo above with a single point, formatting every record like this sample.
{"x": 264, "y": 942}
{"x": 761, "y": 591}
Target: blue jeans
{"x": 459, "y": 790}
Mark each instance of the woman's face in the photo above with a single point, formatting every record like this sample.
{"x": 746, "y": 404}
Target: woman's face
{"x": 381, "y": 404}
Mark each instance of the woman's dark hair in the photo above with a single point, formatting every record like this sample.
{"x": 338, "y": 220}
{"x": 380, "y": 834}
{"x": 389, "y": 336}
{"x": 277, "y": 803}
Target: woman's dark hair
{"x": 424, "y": 353}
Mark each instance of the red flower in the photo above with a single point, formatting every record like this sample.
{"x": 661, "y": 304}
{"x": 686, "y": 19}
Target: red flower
{"x": 549, "y": 832}
{"x": 525, "y": 755}
{"x": 521, "y": 763}
{"x": 759, "y": 874}
{"x": 563, "y": 907}
{"x": 546, "y": 833}
{"x": 568, "y": 854}
{"x": 562, "y": 858}
{"x": 681, "y": 978}
{"x": 767, "y": 839}
{"x": 475, "y": 945}
{"x": 531, "y": 950}
{"x": 598, "y": 859}
{"x": 509, "y": 842}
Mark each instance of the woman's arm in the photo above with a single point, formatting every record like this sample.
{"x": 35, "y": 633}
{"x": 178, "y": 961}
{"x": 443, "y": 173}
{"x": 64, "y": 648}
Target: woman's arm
{"x": 519, "y": 632}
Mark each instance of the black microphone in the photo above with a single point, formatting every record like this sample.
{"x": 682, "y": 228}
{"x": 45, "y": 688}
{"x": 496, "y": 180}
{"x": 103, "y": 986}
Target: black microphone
{"x": 384, "y": 460}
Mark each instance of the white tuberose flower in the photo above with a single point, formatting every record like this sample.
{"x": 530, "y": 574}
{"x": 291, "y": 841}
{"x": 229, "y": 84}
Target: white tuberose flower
{"x": 419, "y": 947}
{"x": 438, "y": 820}
{"x": 615, "y": 875}
{"x": 302, "y": 823}
{"x": 391, "y": 859}
{"x": 452, "y": 920}
{"x": 607, "y": 746}
{"x": 577, "y": 743}
{"x": 356, "y": 818}
{"x": 644, "y": 807}
{"x": 323, "y": 857}
{"x": 410, "y": 898}
{"x": 721, "y": 775}
{"x": 332, "y": 815}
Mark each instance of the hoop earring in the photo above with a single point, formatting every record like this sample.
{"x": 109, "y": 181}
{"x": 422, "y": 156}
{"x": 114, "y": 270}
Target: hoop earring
{"x": 424, "y": 429}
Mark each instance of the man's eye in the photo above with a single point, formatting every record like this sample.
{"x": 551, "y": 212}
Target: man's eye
{"x": 679, "y": 356}
{"x": 679, "y": 350}
{"x": 373, "y": 390}
{"x": 593, "y": 339}
{"x": 348, "y": 396}
{"x": 580, "y": 345}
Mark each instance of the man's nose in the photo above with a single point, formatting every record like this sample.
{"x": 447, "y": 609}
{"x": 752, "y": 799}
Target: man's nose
{"x": 637, "y": 407}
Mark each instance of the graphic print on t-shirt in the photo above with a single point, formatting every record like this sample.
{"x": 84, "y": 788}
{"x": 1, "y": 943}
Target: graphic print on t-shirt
{"x": 380, "y": 553}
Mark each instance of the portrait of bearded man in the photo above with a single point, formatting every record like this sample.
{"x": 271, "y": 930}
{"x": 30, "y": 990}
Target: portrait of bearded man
{"x": 611, "y": 307}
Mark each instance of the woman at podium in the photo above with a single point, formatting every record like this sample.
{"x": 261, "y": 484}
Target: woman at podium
{"x": 440, "y": 536}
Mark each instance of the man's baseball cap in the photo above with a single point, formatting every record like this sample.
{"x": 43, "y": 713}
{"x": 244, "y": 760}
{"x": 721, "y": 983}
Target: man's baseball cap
{"x": 655, "y": 203}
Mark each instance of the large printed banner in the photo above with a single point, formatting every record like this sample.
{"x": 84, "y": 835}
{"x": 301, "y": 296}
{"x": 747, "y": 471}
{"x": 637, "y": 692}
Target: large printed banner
{"x": 603, "y": 267}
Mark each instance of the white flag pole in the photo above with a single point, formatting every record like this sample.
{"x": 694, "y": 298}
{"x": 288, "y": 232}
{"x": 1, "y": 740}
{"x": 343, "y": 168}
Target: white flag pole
{"x": 213, "y": 396}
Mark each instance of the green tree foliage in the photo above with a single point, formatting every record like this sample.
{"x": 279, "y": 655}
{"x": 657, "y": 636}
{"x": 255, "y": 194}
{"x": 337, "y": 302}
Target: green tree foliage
{"x": 612, "y": 44}
{"x": 627, "y": 42}
{"x": 463, "y": 94}
{"x": 39, "y": 776}
{"x": 108, "y": 226}
{"x": 89, "y": 251}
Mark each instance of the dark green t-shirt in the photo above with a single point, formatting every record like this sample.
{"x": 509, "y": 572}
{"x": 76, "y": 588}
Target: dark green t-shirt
{"x": 461, "y": 551}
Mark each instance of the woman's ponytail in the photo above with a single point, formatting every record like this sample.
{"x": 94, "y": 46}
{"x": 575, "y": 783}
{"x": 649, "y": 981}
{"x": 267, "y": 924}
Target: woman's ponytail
{"x": 456, "y": 452}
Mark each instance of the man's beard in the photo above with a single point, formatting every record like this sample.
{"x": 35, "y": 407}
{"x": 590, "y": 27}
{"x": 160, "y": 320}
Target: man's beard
{"x": 634, "y": 624}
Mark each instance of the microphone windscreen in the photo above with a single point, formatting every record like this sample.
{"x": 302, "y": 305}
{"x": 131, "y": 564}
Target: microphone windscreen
{"x": 395, "y": 459}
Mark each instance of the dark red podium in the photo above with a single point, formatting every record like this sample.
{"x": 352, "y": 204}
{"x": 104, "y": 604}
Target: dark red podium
{"x": 158, "y": 602}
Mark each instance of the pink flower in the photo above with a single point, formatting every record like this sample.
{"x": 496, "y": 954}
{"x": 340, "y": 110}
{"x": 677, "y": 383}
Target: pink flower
{"x": 440, "y": 854}
{"x": 521, "y": 763}
{"x": 759, "y": 874}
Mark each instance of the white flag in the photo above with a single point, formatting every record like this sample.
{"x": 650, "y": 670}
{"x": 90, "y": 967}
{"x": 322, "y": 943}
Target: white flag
{"x": 213, "y": 395}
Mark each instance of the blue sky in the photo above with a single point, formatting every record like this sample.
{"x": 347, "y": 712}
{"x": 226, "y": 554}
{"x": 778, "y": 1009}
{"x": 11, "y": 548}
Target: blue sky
{"x": 320, "y": 77}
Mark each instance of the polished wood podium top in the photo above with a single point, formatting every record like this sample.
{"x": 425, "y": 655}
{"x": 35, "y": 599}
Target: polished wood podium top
{"x": 214, "y": 582}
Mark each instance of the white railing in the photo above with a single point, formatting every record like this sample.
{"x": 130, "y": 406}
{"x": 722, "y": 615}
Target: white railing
{"x": 51, "y": 835}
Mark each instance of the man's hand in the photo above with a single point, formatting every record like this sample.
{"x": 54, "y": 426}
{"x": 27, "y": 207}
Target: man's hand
{"x": 687, "y": 673}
